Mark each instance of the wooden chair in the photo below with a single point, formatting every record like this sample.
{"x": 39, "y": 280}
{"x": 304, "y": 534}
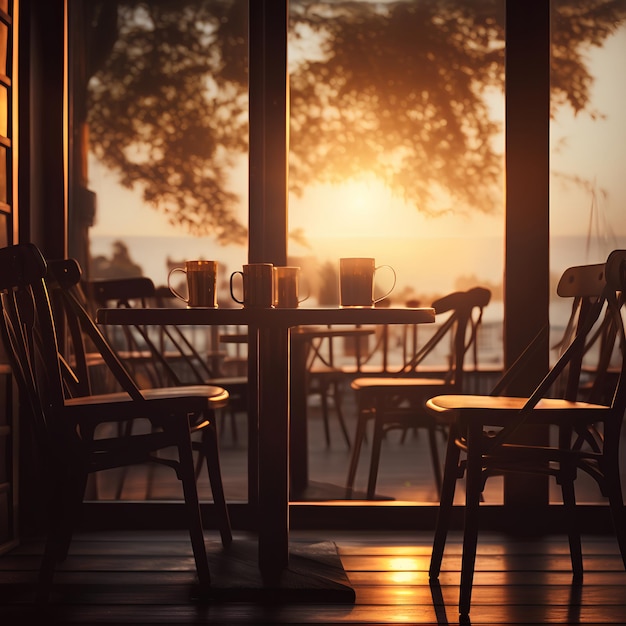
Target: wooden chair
{"x": 76, "y": 434}
{"x": 482, "y": 441}
{"x": 397, "y": 402}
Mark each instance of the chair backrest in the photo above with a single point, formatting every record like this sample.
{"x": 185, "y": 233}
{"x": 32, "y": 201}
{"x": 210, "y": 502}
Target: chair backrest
{"x": 74, "y": 352}
{"x": 29, "y": 335}
{"x": 462, "y": 313}
{"x": 597, "y": 317}
{"x": 71, "y": 308}
{"x": 585, "y": 285}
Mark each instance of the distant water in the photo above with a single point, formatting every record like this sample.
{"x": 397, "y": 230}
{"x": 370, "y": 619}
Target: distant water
{"x": 424, "y": 263}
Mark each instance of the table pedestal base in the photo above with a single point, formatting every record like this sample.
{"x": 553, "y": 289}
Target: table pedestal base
{"x": 315, "y": 575}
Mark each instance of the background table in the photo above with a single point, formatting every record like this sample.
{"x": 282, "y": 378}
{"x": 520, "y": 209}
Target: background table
{"x": 300, "y": 349}
{"x": 270, "y": 331}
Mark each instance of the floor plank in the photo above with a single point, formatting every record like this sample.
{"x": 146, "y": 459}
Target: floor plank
{"x": 149, "y": 578}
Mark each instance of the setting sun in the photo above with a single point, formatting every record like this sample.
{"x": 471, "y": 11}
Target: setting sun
{"x": 355, "y": 208}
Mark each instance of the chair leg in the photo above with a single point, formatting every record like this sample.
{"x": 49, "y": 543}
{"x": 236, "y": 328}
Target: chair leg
{"x": 377, "y": 442}
{"x": 324, "y": 402}
{"x": 450, "y": 476}
{"x": 356, "y": 451}
{"x": 192, "y": 504}
{"x": 123, "y": 471}
{"x": 64, "y": 506}
{"x": 474, "y": 486}
{"x": 616, "y": 504}
{"x": 150, "y": 479}
{"x": 52, "y": 551}
{"x": 342, "y": 422}
{"x": 612, "y": 487}
{"x": 434, "y": 455}
{"x": 211, "y": 452}
{"x": 199, "y": 463}
{"x": 573, "y": 532}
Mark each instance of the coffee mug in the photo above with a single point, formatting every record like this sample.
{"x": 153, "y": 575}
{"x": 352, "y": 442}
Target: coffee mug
{"x": 356, "y": 282}
{"x": 201, "y": 283}
{"x": 258, "y": 286}
{"x": 286, "y": 287}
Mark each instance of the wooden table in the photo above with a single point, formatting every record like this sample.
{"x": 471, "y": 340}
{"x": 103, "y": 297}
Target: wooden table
{"x": 270, "y": 331}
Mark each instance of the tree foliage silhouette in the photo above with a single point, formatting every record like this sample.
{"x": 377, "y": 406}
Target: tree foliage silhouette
{"x": 399, "y": 90}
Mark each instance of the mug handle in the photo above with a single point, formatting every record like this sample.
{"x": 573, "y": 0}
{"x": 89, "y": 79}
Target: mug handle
{"x": 308, "y": 295}
{"x": 232, "y": 295}
{"x": 392, "y": 286}
{"x": 172, "y": 289}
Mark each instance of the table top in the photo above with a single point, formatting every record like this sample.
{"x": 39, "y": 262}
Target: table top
{"x": 266, "y": 317}
{"x": 308, "y": 332}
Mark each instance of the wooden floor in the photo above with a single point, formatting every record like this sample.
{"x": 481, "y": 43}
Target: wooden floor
{"x": 148, "y": 578}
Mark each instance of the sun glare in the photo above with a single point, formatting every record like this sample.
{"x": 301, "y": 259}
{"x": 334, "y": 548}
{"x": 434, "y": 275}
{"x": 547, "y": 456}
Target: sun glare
{"x": 363, "y": 196}
{"x": 356, "y": 208}
{"x": 360, "y": 208}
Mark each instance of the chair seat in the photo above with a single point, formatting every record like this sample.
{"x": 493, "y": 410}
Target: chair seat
{"x": 404, "y": 383}
{"x": 505, "y": 405}
{"x": 217, "y": 397}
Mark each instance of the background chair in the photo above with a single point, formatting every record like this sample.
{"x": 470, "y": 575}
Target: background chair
{"x": 164, "y": 355}
{"x": 133, "y": 344}
{"x": 363, "y": 352}
{"x": 76, "y": 434}
{"x": 483, "y": 441}
{"x": 397, "y": 402}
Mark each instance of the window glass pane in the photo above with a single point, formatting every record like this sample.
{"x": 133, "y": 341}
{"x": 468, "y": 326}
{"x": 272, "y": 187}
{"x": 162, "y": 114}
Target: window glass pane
{"x": 397, "y": 149}
{"x": 159, "y": 164}
{"x": 588, "y": 187}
